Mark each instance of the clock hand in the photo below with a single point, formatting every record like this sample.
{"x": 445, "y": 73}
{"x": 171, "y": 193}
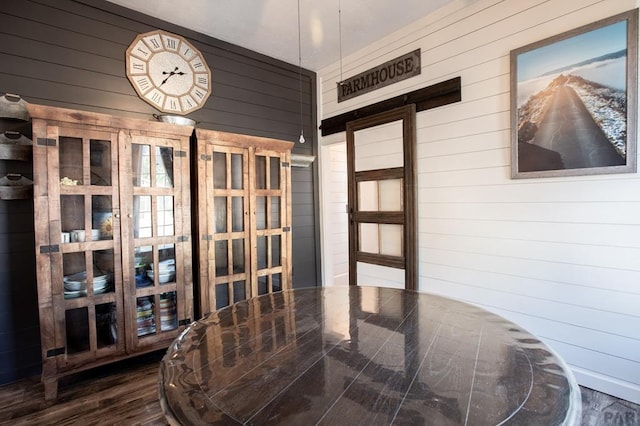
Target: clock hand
{"x": 171, "y": 73}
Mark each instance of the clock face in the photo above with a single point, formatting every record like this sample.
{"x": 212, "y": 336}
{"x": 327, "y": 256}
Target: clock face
{"x": 168, "y": 72}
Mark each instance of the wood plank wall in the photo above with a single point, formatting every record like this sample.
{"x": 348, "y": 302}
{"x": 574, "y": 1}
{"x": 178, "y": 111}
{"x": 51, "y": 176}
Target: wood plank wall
{"x": 70, "y": 53}
{"x": 19, "y": 326}
{"x": 559, "y": 256}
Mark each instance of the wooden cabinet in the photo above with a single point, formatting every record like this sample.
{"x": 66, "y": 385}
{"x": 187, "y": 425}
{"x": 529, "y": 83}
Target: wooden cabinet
{"x": 112, "y": 228}
{"x": 244, "y": 220}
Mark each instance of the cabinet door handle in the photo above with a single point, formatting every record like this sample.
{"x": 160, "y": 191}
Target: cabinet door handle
{"x": 117, "y": 215}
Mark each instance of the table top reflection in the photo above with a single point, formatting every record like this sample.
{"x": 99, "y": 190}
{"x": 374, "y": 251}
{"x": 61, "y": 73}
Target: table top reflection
{"x": 363, "y": 355}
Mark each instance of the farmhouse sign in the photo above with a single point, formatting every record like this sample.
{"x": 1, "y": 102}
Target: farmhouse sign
{"x": 390, "y": 72}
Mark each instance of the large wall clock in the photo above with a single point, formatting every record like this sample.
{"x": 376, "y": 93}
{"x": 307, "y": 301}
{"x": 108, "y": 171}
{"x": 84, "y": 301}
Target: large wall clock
{"x": 168, "y": 72}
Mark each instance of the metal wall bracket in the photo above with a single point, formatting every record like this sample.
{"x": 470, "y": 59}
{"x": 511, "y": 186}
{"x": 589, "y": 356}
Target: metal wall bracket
{"x": 46, "y": 142}
{"x": 54, "y": 248}
{"x": 55, "y": 352}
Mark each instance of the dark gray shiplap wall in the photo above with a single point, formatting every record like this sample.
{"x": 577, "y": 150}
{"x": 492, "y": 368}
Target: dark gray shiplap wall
{"x": 71, "y": 54}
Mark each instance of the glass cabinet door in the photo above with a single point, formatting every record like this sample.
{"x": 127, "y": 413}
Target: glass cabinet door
{"x": 89, "y": 285}
{"x": 229, "y": 247}
{"x": 245, "y": 223}
{"x": 155, "y": 215}
{"x": 271, "y": 222}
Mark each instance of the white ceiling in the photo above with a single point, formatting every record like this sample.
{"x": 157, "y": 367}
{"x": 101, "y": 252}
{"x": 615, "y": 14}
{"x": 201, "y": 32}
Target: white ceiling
{"x": 271, "y": 26}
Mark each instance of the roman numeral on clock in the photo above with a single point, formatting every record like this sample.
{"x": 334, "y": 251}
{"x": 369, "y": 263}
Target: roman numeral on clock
{"x": 202, "y": 80}
{"x": 200, "y": 94}
{"x": 155, "y": 96}
{"x": 143, "y": 83}
{"x": 170, "y": 43}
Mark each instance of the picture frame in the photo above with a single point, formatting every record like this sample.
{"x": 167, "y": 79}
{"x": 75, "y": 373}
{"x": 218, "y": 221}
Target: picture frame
{"x": 574, "y": 101}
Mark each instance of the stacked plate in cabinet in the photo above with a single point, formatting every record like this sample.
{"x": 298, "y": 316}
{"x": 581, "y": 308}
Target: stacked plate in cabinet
{"x": 75, "y": 285}
{"x": 168, "y": 314}
{"x": 144, "y": 316}
{"x": 166, "y": 271}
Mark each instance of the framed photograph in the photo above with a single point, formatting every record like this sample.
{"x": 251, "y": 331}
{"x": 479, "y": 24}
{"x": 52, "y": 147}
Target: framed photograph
{"x": 574, "y": 101}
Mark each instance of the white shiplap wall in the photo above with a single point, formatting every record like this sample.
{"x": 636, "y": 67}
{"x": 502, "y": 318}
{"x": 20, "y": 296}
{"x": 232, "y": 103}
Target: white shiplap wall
{"x": 335, "y": 238}
{"x": 559, "y": 256}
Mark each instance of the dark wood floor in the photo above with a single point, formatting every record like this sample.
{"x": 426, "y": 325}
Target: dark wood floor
{"x": 126, "y": 394}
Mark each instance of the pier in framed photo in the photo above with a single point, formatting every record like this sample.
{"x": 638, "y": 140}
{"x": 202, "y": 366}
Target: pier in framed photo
{"x": 574, "y": 101}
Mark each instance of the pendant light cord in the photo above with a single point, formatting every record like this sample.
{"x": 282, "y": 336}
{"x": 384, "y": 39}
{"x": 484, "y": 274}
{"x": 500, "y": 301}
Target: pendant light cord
{"x": 340, "y": 36}
{"x": 301, "y": 139}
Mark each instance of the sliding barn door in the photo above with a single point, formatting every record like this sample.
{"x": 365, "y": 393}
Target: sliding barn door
{"x": 381, "y": 192}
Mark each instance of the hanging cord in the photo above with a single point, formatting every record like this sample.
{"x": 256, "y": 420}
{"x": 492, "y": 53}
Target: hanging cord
{"x": 301, "y": 139}
{"x": 340, "y": 37}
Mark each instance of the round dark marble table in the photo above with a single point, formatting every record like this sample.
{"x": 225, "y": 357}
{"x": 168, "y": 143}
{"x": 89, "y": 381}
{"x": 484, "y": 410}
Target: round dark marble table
{"x": 363, "y": 355}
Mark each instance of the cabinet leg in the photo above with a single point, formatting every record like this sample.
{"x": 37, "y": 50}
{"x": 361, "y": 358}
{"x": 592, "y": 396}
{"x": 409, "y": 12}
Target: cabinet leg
{"x": 50, "y": 389}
